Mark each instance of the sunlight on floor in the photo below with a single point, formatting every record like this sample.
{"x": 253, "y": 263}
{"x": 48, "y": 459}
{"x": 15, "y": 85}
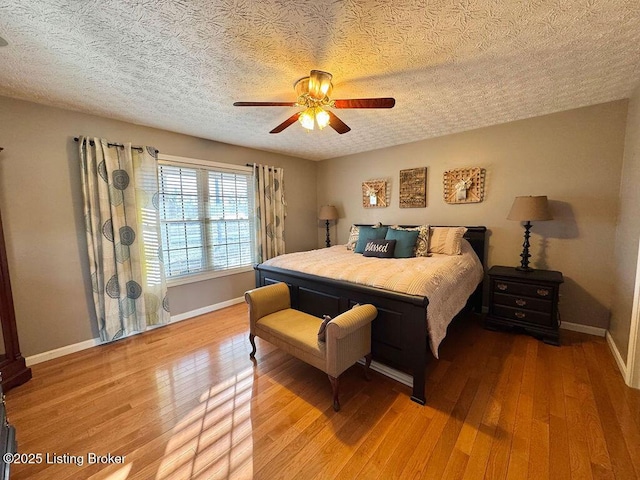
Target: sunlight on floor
{"x": 214, "y": 440}
{"x": 121, "y": 474}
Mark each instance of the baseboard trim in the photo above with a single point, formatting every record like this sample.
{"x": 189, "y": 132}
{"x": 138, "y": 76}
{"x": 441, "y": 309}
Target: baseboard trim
{"x": 577, "y": 327}
{"x": 61, "y": 352}
{"x": 77, "y": 347}
{"x": 616, "y": 354}
{"x": 207, "y": 309}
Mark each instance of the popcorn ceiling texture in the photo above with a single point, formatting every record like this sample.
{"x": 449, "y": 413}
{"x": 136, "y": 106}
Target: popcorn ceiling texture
{"x": 452, "y": 66}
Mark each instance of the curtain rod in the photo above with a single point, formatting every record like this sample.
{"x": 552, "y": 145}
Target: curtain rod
{"x": 253, "y": 165}
{"x": 92, "y": 143}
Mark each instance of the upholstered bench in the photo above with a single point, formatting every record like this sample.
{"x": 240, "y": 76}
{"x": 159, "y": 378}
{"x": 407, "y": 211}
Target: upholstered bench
{"x": 348, "y": 336}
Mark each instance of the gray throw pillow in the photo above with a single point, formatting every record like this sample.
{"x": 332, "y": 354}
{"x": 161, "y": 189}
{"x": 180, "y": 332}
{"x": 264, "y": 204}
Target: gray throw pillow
{"x": 380, "y": 248}
{"x": 322, "y": 333}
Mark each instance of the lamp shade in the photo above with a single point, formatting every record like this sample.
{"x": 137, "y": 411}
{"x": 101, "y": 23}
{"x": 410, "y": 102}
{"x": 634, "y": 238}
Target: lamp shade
{"x": 328, "y": 212}
{"x": 525, "y": 209}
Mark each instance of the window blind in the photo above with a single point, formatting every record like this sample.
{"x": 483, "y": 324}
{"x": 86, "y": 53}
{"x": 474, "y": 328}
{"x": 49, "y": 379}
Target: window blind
{"x": 206, "y": 219}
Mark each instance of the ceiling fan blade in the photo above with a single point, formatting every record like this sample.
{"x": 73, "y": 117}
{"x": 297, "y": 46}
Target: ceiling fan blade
{"x": 287, "y": 123}
{"x": 365, "y": 103}
{"x": 264, "y": 104}
{"x": 337, "y": 124}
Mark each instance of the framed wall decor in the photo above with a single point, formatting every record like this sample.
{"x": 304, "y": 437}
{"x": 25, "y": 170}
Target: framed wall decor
{"x": 464, "y": 185}
{"x": 375, "y": 194}
{"x": 413, "y": 188}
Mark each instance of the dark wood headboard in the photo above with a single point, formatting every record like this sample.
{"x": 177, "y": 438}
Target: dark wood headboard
{"x": 476, "y": 236}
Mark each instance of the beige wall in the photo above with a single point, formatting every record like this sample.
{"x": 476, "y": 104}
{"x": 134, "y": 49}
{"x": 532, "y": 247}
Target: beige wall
{"x": 41, "y": 204}
{"x": 573, "y": 157}
{"x": 628, "y": 232}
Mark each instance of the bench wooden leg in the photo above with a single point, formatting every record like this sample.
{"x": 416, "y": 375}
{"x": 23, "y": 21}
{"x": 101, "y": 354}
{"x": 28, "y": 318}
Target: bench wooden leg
{"x": 367, "y": 364}
{"x": 253, "y": 344}
{"x": 335, "y": 385}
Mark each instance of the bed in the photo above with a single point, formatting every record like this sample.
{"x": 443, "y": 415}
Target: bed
{"x": 402, "y": 334}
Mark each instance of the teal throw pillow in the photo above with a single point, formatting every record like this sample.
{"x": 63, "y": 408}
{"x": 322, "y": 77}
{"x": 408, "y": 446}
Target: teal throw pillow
{"x": 405, "y": 241}
{"x": 369, "y": 233}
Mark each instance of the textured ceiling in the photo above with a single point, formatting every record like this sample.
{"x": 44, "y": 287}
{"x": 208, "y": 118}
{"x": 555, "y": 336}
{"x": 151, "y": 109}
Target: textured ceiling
{"x": 451, "y": 65}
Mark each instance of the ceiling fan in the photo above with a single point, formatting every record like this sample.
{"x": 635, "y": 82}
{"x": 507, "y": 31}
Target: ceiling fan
{"x": 313, "y": 95}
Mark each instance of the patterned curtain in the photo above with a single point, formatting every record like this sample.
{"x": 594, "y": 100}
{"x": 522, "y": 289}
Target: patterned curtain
{"x": 271, "y": 209}
{"x": 120, "y": 187}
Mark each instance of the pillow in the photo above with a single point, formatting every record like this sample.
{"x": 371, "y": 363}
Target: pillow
{"x": 380, "y": 248}
{"x": 405, "y": 241}
{"x": 369, "y": 233}
{"x": 422, "y": 242}
{"x": 446, "y": 240}
{"x": 353, "y": 237}
{"x": 322, "y": 333}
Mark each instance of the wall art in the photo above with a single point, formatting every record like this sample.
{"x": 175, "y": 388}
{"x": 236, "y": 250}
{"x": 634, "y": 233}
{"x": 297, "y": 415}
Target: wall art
{"x": 464, "y": 185}
{"x": 413, "y": 188}
{"x": 375, "y": 194}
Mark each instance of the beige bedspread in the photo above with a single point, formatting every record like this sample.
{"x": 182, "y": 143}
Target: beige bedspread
{"x": 446, "y": 280}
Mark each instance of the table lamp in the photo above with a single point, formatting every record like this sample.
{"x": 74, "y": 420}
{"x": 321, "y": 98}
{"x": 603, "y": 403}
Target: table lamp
{"x": 328, "y": 212}
{"x": 526, "y": 209}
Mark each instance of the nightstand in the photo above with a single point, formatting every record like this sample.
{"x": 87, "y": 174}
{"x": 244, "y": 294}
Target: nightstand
{"x": 525, "y": 301}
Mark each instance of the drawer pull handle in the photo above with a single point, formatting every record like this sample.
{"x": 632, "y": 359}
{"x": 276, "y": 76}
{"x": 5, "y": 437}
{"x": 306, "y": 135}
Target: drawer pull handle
{"x": 520, "y": 302}
{"x": 520, "y": 314}
{"x": 501, "y": 286}
{"x": 543, "y": 292}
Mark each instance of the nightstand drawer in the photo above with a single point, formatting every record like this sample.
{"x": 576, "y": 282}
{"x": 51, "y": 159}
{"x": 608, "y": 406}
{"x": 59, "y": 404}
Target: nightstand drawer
{"x": 521, "y": 315}
{"x": 521, "y": 301}
{"x": 529, "y": 290}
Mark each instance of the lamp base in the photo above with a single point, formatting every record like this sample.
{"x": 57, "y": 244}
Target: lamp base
{"x": 328, "y": 241}
{"x": 525, "y": 269}
{"x": 524, "y": 264}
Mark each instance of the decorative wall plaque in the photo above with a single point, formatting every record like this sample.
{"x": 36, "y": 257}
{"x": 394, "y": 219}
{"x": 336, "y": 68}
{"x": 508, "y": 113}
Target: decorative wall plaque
{"x": 464, "y": 185}
{"x": 413, "y": 188}
{"x": 375, "y": 193}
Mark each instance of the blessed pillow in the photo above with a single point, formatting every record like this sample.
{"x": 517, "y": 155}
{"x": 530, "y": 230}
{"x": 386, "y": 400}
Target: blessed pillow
{"x": 405, "y": 241}
{"x": 369, "y": 233}
{"x": 446, "y": 240}
{"x": 380, "y": 248}
{"x": 322, "y": 333}
{"x": 353, "y": 237}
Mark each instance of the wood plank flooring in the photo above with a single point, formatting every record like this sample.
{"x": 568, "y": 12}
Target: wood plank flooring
{"x": 185, "y": 401}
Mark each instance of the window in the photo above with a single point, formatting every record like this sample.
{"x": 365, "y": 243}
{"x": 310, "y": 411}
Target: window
{"x": 206, "y": 217}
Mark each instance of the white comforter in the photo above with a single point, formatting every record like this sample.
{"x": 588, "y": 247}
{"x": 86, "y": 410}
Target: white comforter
{"x": 446, "y": 280}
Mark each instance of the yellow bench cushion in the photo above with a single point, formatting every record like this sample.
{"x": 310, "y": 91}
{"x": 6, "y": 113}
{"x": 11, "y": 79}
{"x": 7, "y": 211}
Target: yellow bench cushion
{"x": 298, "y": 329}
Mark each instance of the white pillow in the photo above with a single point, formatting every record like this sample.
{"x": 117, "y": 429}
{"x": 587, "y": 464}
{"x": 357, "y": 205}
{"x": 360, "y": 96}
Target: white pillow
{"x": 446, "y": 240}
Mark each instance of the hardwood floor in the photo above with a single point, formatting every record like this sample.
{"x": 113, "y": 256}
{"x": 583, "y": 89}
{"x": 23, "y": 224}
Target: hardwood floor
{"x": 185, "y": 401}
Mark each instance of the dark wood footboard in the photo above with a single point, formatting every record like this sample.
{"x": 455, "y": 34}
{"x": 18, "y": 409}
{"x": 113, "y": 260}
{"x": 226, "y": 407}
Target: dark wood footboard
{"x": 398, "y": 336}
{"x": 399, "y": 333}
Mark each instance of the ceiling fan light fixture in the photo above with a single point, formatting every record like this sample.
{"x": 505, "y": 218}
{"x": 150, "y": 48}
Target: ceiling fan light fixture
{"x": 313, "y": 116}
{"x": 322, "y": 117}
{"x": 307, "y": 118}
